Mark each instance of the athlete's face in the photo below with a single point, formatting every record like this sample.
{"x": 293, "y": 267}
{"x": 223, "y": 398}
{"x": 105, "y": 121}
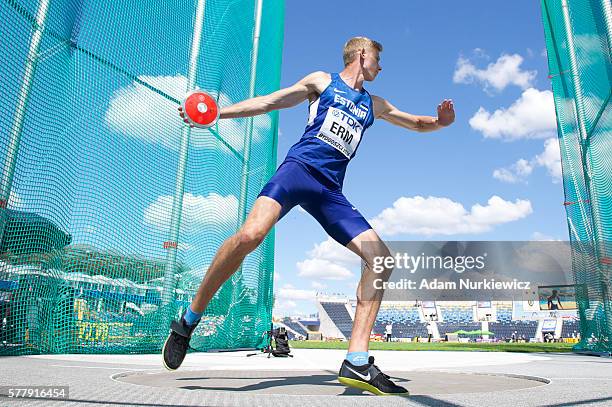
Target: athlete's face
{"x": 370, "y": 58}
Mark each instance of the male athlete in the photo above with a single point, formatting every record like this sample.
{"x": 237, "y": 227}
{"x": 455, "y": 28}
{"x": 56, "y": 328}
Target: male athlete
{"x": 551, "y": 301}
{"x": 312, "y": 174}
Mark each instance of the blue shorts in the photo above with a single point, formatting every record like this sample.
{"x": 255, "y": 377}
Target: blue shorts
{"x": 295, "y": 184}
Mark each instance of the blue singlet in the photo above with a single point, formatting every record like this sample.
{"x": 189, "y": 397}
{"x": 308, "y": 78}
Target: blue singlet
{"x": 313, "y": 172}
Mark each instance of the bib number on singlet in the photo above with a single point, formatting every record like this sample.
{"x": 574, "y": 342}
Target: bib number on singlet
{"x": 341, "y": 130}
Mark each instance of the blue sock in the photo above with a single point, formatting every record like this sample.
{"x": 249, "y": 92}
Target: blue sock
{"x": 357, "y": 358}
{"x": 191, "y": 317}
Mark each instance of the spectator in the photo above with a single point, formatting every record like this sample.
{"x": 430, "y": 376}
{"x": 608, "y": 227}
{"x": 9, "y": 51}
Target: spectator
{"x": 389, "y": 332}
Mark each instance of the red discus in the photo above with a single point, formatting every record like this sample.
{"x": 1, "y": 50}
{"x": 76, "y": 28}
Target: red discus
{"x": 201, "y": 109}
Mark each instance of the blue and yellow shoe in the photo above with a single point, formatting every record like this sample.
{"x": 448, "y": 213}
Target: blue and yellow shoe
{"x": 369, "y": 377}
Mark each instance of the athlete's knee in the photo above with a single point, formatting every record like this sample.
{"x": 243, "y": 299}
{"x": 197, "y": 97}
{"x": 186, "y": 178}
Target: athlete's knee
{"x": 249, "y": 237}
{"x": 376, "y": 255}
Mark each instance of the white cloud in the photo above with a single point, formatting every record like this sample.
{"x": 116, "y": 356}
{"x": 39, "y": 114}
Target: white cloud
{"x": 517, "y": 172}
{"x": 592, "y": 105}
{"x": 497, "y": 75}
{"x": 550, "y": 159}
{"x": 541, "y": 237}
{"x": 481, "y": 53}
{"x": 442, "y": 216}
{"x": 531, "y": 116}
{"x": 284, "y": 308}
{"x": 233, "y": 131}
{"x": 318, "y": 286}
{"x": 288, "y": 292}
{"x": 198, "y": 211}
{"x": 590, "y": 48}
{"x": 284, "y": 305}
{"x": 352, "y": 285}
{"x": 497, "y": 211}
{"x": 332, "y": 251}
{"x": 289, "y": 304}
{"x": 137, "y": 111}
{"x": 328, "y": 260}
{"x": 15, "y": 201}
{"x": 323, "y": 269}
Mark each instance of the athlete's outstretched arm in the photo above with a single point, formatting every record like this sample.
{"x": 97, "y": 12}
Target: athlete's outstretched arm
{"x": 386, "y": 111}
{"x": 281, "y": 99}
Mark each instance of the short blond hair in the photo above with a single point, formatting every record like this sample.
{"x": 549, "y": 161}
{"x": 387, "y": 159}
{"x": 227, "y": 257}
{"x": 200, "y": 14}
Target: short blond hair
{"x": 357, "y": 44}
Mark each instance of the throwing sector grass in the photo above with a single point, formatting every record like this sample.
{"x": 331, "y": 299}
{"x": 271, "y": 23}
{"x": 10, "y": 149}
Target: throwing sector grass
{"x": 412, "y": 346}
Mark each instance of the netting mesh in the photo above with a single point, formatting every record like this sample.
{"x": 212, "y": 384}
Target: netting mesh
{"x": 111, "y": 209}
{"x": 579, "y": 43}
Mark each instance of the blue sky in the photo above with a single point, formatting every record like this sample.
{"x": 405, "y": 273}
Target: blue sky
{"x": 493, "y": 175}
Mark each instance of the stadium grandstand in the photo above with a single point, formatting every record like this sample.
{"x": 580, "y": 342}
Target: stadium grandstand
{"x": 98, "y": 310}
{"x": 336, "y": 315}
{"x": 404, "y": 318}
{"x": 295, "y": 330}
{"x": 444, "y": 320}
{"x": 299, "y": 328}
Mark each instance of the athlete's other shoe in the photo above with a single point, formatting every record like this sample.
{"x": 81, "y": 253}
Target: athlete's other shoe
{"x": 177, "y": 344}
{"x": 369, "y": 377}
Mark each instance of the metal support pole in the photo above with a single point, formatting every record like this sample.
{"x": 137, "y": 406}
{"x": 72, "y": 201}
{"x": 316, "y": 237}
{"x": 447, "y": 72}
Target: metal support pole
{"x": 249, "y": 134}
{"x": 22, "y": 101}
{"x": 8, "y": 169}
{"x": 571, "y": 50}
{"x": 607, "y": 15}
{"x": 177, "y": 203}
{"x": 580, "y": 116}
{"x": 248, "y": 138}
{"x": 578, "y": 106}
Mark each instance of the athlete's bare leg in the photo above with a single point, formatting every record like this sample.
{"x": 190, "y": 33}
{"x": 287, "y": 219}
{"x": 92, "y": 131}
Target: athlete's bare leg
{"x": 368, "y": 299}
{"x": 232, "y": 252}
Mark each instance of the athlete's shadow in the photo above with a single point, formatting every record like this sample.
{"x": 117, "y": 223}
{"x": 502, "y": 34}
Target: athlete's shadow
{"x": 326, "y": 384}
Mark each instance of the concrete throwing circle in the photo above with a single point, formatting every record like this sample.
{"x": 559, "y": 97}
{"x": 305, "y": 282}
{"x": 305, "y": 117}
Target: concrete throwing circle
{"x": 323, "y": 382}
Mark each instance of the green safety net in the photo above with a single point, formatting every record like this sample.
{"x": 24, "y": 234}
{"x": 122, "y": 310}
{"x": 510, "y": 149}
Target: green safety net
{"x": 111, "y": 209}
{"x": 579, "y": 43}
